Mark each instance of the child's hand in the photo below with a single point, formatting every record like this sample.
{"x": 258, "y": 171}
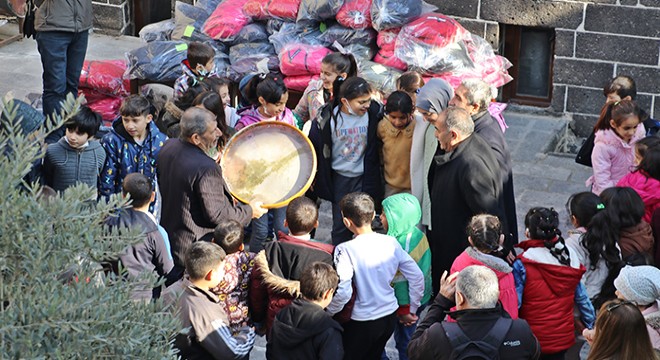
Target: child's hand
{"x": 257, "y": 209}
{"x": 448, "y": 285}
{"x": 408, "y": 319}
{"x": 589, "y": 336}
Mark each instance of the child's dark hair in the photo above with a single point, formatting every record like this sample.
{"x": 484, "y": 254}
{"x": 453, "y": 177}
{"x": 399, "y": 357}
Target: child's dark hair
{"x": 618, "y": 111}
{"x": 229, "y": 235}
{"x": 584, "y": 206}
{"x": 212, "y": 102}
{"x": 350, "y": 89}
{"x": 342, "y": 63}
{"x": 268, "y": 86}
{"x": 649, "y": 149}
{"x": 135, "y": 106}
{"x": 485, "y": 231}
{"x": 622, "y": 85}
{"x": 202, "y": 257}
{"x": 139, "y": 187}
{"x": 301, "y": 215}
{"x": 85, "y": 121}
{"x": 317, "y": 278}
{"x": 199, "y": 54}
{"x": 543, "y": 224}
{"x": 410, "y": 81}
{"x": 358, "y": 207}
{"x": 399, "y": 101}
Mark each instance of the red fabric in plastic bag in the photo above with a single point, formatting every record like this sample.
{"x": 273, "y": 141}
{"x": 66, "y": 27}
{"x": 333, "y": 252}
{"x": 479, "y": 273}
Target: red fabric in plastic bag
{"x": 435, "y": 29}
{"x": 387, "y": 58}
{"x": 256, "y": 9}
{"x": 284, "y": 9}
{"x": 106, "y": 105}
{"x": 299, "y": 83}
{"x": 387, "y": 38}
{"x": 105, "y": 76}
{"x": 227, "y": 20}
{"x": 355, "y": 14}
{"x": 302, "y": 59}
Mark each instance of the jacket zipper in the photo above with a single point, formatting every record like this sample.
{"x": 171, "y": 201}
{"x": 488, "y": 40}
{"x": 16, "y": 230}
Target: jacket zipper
{"x": 75, "y": 15}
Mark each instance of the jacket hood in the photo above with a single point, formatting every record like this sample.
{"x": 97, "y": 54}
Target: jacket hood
{"x": 499, "y": 266}
{"x": 93, "y": 145}
{"x": 434, "y": 95}
{"x": 301, "y": 321}
{"x": 647, "y": 187}
{"x": 403, "y": 213}
{"x": 554, "y": 276}
{"x": 118, "y": 129}
{"x": 641, "y": 235}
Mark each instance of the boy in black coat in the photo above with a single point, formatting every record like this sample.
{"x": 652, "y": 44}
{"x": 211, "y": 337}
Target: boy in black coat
{"x": 303, "y": 330}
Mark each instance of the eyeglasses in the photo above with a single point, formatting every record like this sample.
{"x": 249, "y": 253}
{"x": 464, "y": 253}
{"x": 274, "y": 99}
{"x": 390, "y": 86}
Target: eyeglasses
{"x": 613, "y": 306}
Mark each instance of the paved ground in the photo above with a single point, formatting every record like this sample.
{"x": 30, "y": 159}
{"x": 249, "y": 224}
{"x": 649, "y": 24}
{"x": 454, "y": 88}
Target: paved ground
{"x": 540, "y": 178}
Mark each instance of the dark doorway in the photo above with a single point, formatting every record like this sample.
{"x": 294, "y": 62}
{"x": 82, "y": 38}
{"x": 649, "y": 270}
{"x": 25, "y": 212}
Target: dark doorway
{"x": 531, "y": 51}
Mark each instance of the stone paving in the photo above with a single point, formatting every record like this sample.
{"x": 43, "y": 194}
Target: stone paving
{"x": 541, "y": 178}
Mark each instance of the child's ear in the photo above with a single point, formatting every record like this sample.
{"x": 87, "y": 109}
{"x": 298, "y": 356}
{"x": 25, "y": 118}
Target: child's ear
{"x": 242, "y": 247}
{"x": 153, "y": 197}
{"x": 373, "y": 216}
{"x": 262, "y": 101}
{"x": 327, "y": 295}
{"x": 286, "y": 224}
{"x": 627, "y": 98}
{"x": 470, "y": 241}
{"x": 316, "y": 224}
{"x": 347, "y": 222}
{"x": 527, "y": 233}
{"x": 209, "y": 275}
{"x": 149, "y": 118}
{"x": 501, "y": 239}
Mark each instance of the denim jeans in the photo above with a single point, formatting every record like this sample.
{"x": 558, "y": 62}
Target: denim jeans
{"x": 260, "y": 228}
{"x": 62, "y": 57}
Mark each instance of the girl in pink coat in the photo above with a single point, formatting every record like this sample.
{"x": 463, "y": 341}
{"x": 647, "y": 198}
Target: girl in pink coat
{"x": 617, "y": 130}
{"x": 486, "y": 238}
{"x": 645, "y": 180}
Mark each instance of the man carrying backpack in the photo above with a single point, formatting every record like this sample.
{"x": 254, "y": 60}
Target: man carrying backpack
{"x": 482, "y": 329}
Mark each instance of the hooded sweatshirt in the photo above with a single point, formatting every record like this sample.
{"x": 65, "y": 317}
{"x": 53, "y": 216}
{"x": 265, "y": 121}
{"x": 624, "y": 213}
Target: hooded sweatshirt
{"x": 648, "y": 189}
{"x": 433, "y": 97}
{"x": 303, "y": 330}
{"x": 403, "y": 213}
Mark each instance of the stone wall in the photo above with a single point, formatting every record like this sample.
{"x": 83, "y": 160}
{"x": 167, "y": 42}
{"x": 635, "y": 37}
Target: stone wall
{"x": 113, "y": 17}
{"x": 595, "y": 41}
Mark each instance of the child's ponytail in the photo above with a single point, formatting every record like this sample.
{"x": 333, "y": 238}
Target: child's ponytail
{"x": 617, "y": 111}
{"x": 543, "y": 224}
{"x": 485, "y": 232}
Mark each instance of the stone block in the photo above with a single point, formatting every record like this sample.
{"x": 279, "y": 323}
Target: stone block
{"x": 584, "y": 101}
{"x": 623, "y": 20}
{"x": 650, "y": 3}
{"x": 656, "y": 108}
{"x": 558, "y": 96}
{"x": 110, "y": 19}
{"x": 463, "y": 8}
{"x": 545, "y": 14}
{"x": 583, "y": 125}
{"x": 582, "y": 72}
{"x": 644, "y": 102}
{"x": 628, "y": 49}
{"x": 564, "y": 43}
{"x": 646, "y": 78}
{"x": 493, "y": 35}
{"x": 476, "y": 27}
{"x": 628, "y": 2}
{"x": 599, "y": 1}
{"x": 118, "y": 2}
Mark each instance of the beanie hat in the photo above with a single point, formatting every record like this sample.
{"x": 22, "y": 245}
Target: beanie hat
{"x": 28, "y": 118}
{"x": 639, "y": 284}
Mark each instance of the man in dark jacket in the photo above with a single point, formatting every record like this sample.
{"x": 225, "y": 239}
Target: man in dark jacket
{"x": 303, "y": 330}
{"x": 195, "y": 196}
{"x": 466, "y": 182}
{"x": 474, "y": 95}
{"x": 62, "y": 32}
{"x": 475, "y": 294}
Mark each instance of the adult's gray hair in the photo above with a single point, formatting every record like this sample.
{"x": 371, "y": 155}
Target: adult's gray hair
{"x": 194, "y": 121}
{"x": 460, "y": 121}
{"x": 478, "y": 92}
{"x": 479, "y": 286}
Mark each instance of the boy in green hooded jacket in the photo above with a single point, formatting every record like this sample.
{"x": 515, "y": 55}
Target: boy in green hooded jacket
{"x": 400, "y": 216}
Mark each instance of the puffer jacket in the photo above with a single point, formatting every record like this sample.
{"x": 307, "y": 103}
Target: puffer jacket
{"x": 64, "y": 15}
{"x": 65, "y": 166}
{"x": 648, "y": 189}
{"x": 612, "y": 158}
{"x": 403, "y": 213}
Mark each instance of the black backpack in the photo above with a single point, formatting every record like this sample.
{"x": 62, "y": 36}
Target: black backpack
{"x": 486, "y": 348}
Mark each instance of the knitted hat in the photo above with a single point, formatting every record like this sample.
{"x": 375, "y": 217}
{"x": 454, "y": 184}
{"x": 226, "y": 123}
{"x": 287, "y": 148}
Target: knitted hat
{"x": 29, "y": 118}
{"x": 639, "y": 284}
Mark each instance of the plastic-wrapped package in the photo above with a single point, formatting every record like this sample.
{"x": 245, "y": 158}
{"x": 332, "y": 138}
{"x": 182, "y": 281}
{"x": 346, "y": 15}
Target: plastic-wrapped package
{"x": 274, "y": 25}
{"x": 387, "y": 58}
{"x": 362, "y": 52}
{"x": 105, "y": 77}
{"x": 208, "y": 5}
{"x": 240, "y": 51}
{"x": 252, "y": 33}
{"x": 387, "y": 38}
{"x": 304, "y": 32}
{"x": 226, "y": 21}
{"x": 434, "y": 44}
{"x": 387, "y": 14}
{"x": 256, "y": 9}
{"x": 318, "y": 10}
{"x": 381, "y": 77}
{"x": 249, "y": 65}
{"x": 106, "y": 105}
{"x": 284, "y": 9}
{"x": 493, "y": 68}
{"x": 160, "y": 31}
{"x": 157, "y": 61}
{"x": 302, "y": 59}
{"x": 189, "y": 21}
{"x": 299, "y": 83}
{"x": 355, "y": 14}
{"x": 345, "y": 36}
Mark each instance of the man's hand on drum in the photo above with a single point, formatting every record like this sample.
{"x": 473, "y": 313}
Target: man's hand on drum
{"x": 257, "y": 209}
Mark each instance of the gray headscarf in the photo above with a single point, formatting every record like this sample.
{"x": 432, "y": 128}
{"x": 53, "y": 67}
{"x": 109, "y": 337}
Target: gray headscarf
{"x": 434, "y": 96}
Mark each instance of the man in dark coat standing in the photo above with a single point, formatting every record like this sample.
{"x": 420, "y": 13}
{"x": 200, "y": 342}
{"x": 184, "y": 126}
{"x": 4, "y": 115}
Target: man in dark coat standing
{"x": 474, "y": 95}
{"x": 466, "y": 182}
{"x": 195, "y": 196}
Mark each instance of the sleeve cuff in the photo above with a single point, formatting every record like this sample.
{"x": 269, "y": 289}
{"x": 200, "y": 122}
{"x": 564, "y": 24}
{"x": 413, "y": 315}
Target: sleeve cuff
{"x": 403, "y": 310}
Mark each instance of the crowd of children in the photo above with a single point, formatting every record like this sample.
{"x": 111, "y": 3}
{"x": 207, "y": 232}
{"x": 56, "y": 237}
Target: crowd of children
{"x": 344, "y": 300}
